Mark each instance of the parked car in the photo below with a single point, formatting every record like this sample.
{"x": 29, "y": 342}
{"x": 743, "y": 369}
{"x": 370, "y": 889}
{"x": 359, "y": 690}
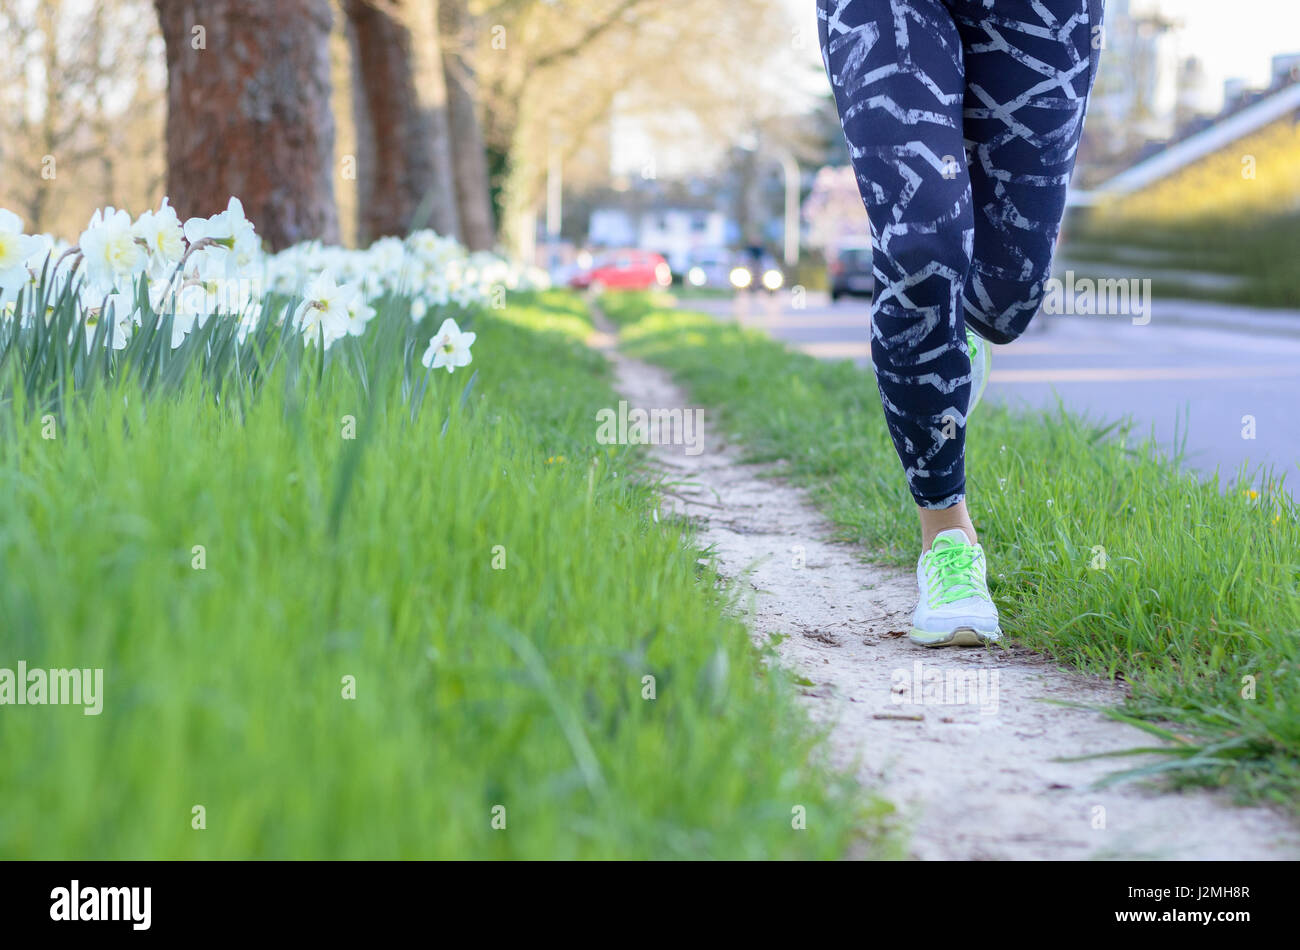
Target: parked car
{"x": 629, "y": 269}
{"x": 850, "y": 273}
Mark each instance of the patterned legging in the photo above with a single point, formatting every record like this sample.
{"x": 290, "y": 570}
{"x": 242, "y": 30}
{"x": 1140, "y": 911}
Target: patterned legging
{"x": 962, "y": 119}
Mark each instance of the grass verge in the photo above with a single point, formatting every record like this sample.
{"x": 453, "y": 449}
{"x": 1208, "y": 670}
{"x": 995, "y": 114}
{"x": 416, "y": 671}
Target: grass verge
{"x": 487, "y": 580}
{"x": 1258, "y": 249}
{"x": 1102, "y": 553}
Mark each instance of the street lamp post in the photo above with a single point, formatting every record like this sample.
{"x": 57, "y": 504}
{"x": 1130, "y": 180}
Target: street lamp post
{"x": 791, "y": 170}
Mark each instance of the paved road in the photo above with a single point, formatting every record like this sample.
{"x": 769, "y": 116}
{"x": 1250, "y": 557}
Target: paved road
{"x": 1179, "y": 379}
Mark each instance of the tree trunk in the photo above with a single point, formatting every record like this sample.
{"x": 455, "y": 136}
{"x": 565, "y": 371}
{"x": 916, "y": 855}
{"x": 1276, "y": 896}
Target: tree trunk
{"x": 404, "y": 161}
{"x": 248, "y": 113}
{"x": 469, "y": 157}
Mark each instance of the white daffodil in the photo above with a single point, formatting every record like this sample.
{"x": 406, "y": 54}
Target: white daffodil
{"x": 109, "y": 249}
{"x": 44, "y": 252}
{"x": 190, "y": 305}
{"x": 434, "y": 288}
{"x": 120, "y": 308}
{"x": 164, "y": 299}
{"x": 249, "y": 320}
{"x": 449, "y": 347}
{"x": 116, "y": 308}
{"x": 163, "y": 237}
{"x": 15, "y": 249}
{"x": 214, "y": 269}
{"x": 360, "y": 313}
{"x": 231, "y": 242}
{"x": 324, "y": 309}
{"x": 388, "y": 255}
{"x": 20, "y": 256}
{"x": 90, "y": 301}
{"x": 466, "y": 297}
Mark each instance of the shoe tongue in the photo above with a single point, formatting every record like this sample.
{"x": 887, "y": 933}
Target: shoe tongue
{"x": 950, "y": 537}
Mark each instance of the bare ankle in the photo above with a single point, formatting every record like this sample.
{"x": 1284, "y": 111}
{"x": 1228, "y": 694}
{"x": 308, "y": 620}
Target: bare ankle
{"x": 936, "y": 520}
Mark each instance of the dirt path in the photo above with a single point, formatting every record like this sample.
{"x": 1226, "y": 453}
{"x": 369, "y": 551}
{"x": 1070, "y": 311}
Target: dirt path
{"x": 986, "y": 755}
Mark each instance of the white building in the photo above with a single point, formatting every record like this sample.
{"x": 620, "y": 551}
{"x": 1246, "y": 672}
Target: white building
{"x": 1284, "y": 67}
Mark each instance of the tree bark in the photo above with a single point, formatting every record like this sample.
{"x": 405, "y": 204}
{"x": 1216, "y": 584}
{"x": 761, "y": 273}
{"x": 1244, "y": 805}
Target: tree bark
{"x": 248, "y": 113}
{"x": 404, "y": 163}
{"x": 469, "y": 156}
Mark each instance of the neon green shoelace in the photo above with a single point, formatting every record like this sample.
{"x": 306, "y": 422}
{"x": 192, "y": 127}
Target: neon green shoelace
{"x": 952, "y": 573}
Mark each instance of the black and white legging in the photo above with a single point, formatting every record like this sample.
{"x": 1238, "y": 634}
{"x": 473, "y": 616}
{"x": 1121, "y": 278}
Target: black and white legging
{"x": 962, "y": 119}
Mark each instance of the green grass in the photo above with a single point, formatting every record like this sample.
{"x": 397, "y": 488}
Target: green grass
{"x": 687, "y": 292}
{"x": 373, "y": 558}
{"x": 1261, "y": 250}
{"x": 1101, "y": 553}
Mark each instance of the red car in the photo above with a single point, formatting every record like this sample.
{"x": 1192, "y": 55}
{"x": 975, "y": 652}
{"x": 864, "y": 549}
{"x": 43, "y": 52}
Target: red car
{"x": 625, "y": 270}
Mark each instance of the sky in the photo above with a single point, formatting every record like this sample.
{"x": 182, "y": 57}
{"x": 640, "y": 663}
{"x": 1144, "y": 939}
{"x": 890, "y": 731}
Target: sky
{"x": 1233, "y": 37}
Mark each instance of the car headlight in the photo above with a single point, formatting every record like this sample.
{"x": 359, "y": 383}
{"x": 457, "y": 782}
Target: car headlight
{"x": 696, "y": 276}
{"x": 663, "y": 274}
{"x": 773, "y": 279}
{"x": 741, "y": 277}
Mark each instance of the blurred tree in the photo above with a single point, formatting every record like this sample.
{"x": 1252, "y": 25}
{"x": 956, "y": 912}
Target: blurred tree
{"x": 343, "y": 105}
{"x": 405, "y": 176}
{"x": 442, "y": 112}
{"x": 34, "y": 72}
{"x": 555, "y": 72}
{"x": 473, "y": 200}
{"x": 80, "y": 109}
{"x": 248, "y": 113}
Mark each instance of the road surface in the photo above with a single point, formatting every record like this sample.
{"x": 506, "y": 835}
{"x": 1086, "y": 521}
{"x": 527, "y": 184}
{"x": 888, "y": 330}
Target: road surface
{"x": 1199, "y": 382}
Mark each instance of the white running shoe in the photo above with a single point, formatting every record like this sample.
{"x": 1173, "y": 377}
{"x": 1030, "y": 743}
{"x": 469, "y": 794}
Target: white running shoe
{"x": 954, "y": 608}
{"x": 981, "y": 364}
